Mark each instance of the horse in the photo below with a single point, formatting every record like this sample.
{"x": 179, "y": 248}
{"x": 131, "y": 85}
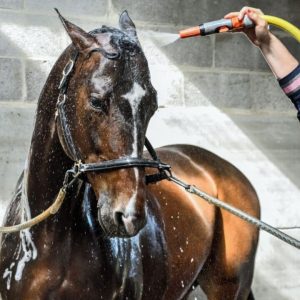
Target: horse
{"x": 116, "y": 236}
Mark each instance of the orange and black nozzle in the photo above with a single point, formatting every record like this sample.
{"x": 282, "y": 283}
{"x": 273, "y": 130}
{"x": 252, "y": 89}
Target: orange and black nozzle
{"x": 189, "y": 32}
{"x": 221, "y": 25}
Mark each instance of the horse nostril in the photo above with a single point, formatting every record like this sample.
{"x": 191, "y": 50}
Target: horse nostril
{"x": 129, "y": 223}
{"x": 118, "y": 218}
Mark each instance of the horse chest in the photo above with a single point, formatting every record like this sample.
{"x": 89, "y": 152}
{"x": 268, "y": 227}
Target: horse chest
{"x": 115, "y": 268}
{"x": 138, "y": 268}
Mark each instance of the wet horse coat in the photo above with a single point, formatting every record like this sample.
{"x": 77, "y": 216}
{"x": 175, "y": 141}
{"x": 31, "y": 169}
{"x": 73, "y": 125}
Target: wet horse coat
{"x": 115, "y": 237}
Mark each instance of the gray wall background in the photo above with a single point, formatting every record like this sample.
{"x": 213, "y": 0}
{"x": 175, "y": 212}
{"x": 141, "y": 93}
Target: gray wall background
{"x": 216, "y": 92}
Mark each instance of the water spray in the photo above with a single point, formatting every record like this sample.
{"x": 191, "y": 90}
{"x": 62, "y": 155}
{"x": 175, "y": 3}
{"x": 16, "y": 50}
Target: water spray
{"x": 224, "y": 25}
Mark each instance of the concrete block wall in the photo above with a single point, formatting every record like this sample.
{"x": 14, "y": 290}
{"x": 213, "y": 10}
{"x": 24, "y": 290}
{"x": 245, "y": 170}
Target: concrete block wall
{"x": 32, "y": 37}
{"x": 198, "y": 80}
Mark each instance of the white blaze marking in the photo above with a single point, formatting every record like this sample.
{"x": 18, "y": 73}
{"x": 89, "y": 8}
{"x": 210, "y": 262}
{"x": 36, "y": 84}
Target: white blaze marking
{"x": 134, "y": 97}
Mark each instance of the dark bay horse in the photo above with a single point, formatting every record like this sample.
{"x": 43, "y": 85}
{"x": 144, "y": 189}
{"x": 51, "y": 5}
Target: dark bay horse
{"x": 116, "y": 237}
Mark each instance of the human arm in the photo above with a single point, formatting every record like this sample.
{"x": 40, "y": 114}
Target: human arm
{"x": 280, "y": 60}
{"x": 284, "y": 65}
{"x": 290, "y": 84}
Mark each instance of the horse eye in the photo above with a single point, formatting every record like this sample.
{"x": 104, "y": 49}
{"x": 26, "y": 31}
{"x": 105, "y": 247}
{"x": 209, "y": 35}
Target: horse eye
{"x": 99, "y": 104}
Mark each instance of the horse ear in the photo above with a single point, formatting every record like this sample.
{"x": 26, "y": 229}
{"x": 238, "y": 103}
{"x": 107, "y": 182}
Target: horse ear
{"x": 126, "y": 24}
{"x": 82, "y": 40}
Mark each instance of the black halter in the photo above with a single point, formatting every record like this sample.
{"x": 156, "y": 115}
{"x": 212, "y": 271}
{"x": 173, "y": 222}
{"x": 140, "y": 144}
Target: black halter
{"x": 124, "y": 162}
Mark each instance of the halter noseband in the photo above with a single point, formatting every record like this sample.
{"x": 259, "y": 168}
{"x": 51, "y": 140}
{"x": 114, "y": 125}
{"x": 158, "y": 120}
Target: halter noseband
{"x": 125, "y": 162}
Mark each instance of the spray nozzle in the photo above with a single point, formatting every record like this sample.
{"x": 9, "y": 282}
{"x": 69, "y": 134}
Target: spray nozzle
{"x": 221, "y": 25}
{"x": 189, "y": 32}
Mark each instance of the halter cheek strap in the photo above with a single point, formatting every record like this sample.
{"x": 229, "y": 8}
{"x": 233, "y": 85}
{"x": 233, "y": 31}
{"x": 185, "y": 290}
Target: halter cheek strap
{"x": 60, "y": 114}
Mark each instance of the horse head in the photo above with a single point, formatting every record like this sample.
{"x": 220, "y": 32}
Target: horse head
{"x": 108, "y": 103}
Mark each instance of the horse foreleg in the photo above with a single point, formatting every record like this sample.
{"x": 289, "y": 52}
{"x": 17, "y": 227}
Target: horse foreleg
{"x": 228, "y": 272}
{"x": 195, "y": 293}
{"x": 251, "y": 296}
{"x": 222, "y": 291}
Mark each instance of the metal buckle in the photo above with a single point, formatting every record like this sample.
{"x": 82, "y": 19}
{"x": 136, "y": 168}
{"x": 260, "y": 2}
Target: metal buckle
{"x": 66, "y": 71}
{"x": 77, "y": 167}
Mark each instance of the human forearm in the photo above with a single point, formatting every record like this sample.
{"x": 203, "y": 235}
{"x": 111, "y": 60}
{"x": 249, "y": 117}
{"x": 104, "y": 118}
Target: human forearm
{"x": 280, "y": 60}
{"x": 276, "y": 54}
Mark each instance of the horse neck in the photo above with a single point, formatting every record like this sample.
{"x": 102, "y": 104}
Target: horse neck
{"x": 47, "y": 162}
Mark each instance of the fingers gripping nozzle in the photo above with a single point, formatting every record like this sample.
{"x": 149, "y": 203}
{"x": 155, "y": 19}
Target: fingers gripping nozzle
{"x": 221, "y": 25}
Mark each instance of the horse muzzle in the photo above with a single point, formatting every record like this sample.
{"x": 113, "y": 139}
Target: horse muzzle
{"x": 129, "y": 225}
{"x": 120, "y": 222}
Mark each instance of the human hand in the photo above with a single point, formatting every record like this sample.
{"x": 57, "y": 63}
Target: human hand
{"x": 259, "y": 35}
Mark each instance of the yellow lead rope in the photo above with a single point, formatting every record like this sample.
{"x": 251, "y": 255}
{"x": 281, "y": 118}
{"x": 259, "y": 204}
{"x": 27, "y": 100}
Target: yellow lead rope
{"x": 39, "y": 218}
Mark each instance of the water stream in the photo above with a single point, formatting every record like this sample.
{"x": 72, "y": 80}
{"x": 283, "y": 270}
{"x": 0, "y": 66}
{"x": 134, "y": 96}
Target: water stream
{"x": 162, "y": 39}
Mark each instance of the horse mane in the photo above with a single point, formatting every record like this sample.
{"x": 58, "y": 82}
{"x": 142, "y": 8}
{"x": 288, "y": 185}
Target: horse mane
{"x": 119, "y": 40}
